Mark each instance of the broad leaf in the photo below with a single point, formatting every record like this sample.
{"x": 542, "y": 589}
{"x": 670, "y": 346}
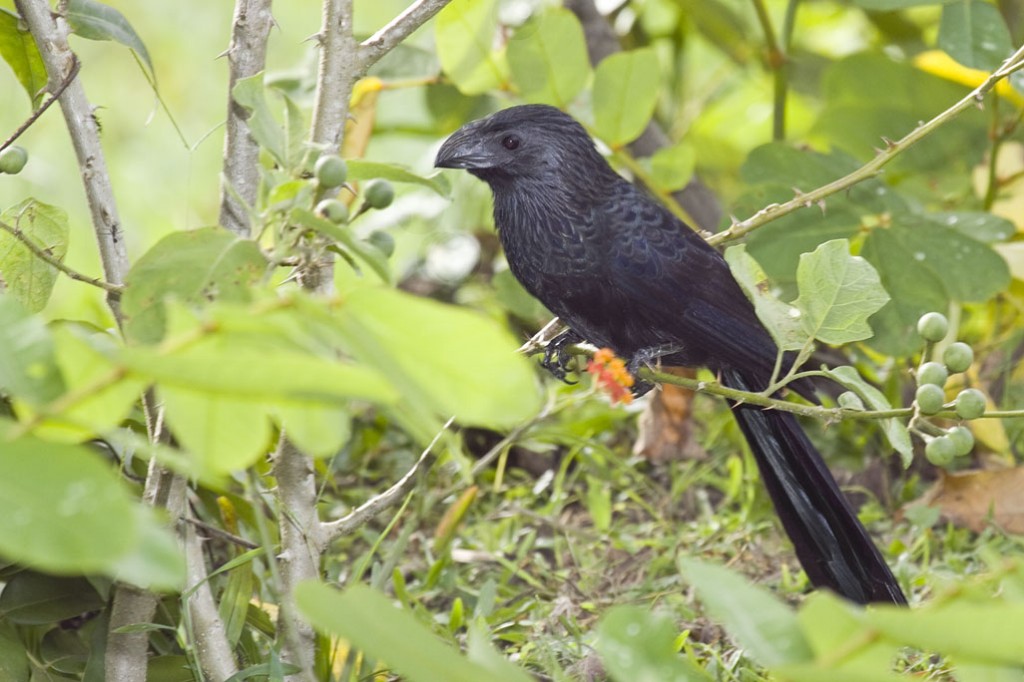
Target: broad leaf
{"x": 636, "y": 645}
{"x": 359, "y": 169}
{"x": 838, "y": 293}
{"x": 831, "y": 624}
{"x": 192, "y": 266}
{"x": 369, "y": 621}
{"x": 19, "y": 50}
{"x": 625, "y": 93}
{"x": 894, "y": 429}
{"x": 464, "y": 33}
{"x": 31, "y": 598}
{"x": 250, "y": 94}
{"x": 548, "y": 58}
{"x": 27, "y": 277}
{"x": 780, "y": 318}
{"x": 97, "y": 21}
{"x": 28, "y": 363}
{"x": 342, "y": 234}
{"x": 758, "y": 620}
{"x": 974, "y": 33}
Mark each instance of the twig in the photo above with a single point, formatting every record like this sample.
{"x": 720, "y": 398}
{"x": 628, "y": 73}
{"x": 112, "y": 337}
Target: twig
{"x": 379, "y": 503}
{"x": 874, "y": 166}
{"x": 397, "y": 30}
{"x": 247, "y": 56}
{"x": 50, "y": 33}
{"x": 46, "y": 105}
{"x": 42, "y": 255}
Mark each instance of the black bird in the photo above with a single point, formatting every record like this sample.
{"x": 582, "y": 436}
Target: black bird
{"x": 624, "y": 273}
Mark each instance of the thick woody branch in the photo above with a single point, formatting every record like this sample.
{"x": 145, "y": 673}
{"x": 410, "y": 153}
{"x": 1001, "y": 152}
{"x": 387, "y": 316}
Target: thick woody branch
{"x": 397, "y": 30}
{"x": 247, "y": 56}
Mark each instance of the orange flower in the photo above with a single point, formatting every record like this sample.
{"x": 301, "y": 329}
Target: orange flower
{"x": 611, "y": 374}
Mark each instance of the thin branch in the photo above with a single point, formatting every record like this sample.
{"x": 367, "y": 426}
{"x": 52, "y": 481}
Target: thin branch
{"x": 46, "y": 105}
{"x": 247, "y": 56}
{"x": 50, "y": 33}
{"x": 41, "y": 253}
{"x": 397, "y": 30}
{"x": 873, "y": 167}
{"x": 379, "y": 503}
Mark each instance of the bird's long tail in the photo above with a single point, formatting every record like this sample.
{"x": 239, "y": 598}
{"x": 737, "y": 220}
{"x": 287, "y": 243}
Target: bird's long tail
{"x": 832, "y": 545}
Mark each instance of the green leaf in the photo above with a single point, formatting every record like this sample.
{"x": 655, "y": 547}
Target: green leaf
{"x": 369, "y": 621}
{"x": 832, "y": 625}
{"x": 464, "y": 34}
{"x": 624, "y": 94}
{"x": 318, "y": 430}
{"x": 13, "y": 656}
{"x": 28, "y": 364}
{"x": 95, "y": 21}
{"x": 980, "y": 632}
{"x": 672, "y": 167}
{"x": 760, "y": 622}
{"x": 636, "y": 645}
{"x": 972, "y": 671}
{"x": 19, "y": 50}
{"x": 781, "y": 319}
{"x": 342, "y": 234}
{"x": 895, "y": 430}
{"x": 192, "y": 266}
{"x": 974, "y": 33}
{"x": 838, "y": 293}
{"x": 223, "y": 434}
{"x": 548, "y": 58}
{"x": 31, "y": 598}
{"x": 444, "y": 360}
{"x": 105, "y": 396}
{"x": 26, "y": 277}
{"x": 66, "y": 510}
{"x": 891, "y": 5}
{"x": 359, "y": 169}
{"x": 250, "y": 94}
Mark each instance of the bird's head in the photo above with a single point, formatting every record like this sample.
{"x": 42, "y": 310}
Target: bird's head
{"x": 532, "y": 141}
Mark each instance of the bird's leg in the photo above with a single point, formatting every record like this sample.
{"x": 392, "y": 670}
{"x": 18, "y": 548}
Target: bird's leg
{"x": 556, "y": 357}
{"x": 646, "y": 358}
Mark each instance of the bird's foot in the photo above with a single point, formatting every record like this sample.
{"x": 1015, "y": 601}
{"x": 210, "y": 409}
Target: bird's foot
{"x": 647, "y": 357}
{"x": 557, "y": 358}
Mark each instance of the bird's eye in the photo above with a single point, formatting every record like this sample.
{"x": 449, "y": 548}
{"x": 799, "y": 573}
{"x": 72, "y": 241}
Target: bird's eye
{"x": 510, "y": 142}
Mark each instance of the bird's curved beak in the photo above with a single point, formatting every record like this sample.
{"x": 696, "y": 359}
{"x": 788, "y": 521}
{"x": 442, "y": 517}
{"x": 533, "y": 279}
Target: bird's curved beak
{"x": 464, "y": 149}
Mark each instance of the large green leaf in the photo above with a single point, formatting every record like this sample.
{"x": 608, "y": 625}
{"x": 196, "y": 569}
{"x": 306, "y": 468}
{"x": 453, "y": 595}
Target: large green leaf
{"x": 464, "y": 33}
{"x": 548, "y": 58}
{"x": 974, "y": 33}
{"x": 28, "y": 363}
{"x": 983, "y": 632}
{"x": 250, "y": 94}
{"x": 369, "y": 621}
{"x": 636, "y": 645}
{"x": 758, "y": 620}
{"x": 838, "y": 293}
{"x": 358, "y": 169}
{"x": 31, "y": 598}
{"x": 780, "y": 318}
{"x": 830, "y": 624}
{"x": 624, "y": 95}
{"x": 444, "y": 360}
{"x": 27, "y": 277}
{"x": 97, "y": 21}
{"x": 20, "y": 52}
{"x": 66, "y": 511}
{"x": 192, "y": 266}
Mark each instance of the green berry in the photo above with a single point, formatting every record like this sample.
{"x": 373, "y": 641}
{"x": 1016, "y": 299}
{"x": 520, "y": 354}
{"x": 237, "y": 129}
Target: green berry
{"x": 933, "y": 327}
{"x": 970, "y": 404}
{"x": 379, "y": 194}
{"x": 12, "y": 160}
{"x": 330, "y": 171}
{"x": 932, "y": 373}
{"x": 334, "y": 210}
{"x": 384, "y": 242}
{"x": 930, "y": 398}
{"x": 848, "y": 400}
{"x": 940, "y": 451}
{"x": 962, "y": 439}
{"x": 958, "y": 356}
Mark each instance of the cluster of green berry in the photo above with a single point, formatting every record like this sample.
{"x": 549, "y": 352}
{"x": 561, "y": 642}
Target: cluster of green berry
{"x": 12, "y": 160}
{"x": 930, "y": 397}
{"x": 331, "y": 172}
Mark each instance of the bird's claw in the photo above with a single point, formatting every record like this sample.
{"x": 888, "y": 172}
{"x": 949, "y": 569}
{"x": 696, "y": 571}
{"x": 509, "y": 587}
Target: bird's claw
{"x": 557, "y": 357}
